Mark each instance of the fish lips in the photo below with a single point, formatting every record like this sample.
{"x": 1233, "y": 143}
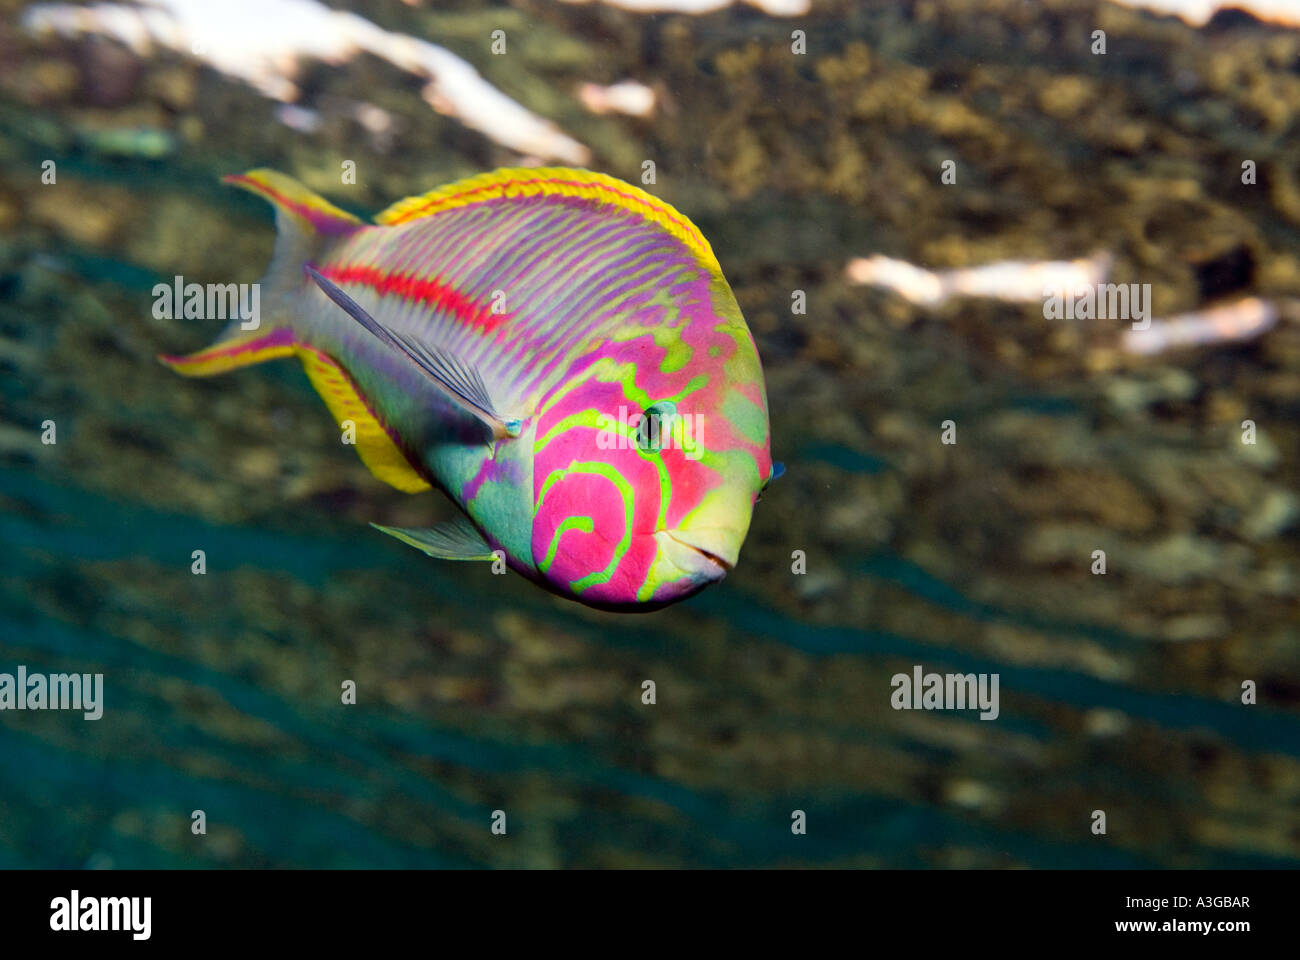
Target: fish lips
{"x": 707, "y": 554}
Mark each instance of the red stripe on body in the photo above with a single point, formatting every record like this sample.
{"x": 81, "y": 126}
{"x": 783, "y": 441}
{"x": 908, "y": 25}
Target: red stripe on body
{"x": 428, "y": 290}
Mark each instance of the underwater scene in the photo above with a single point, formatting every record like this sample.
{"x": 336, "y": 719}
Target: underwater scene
{"x": 649, "y": 434}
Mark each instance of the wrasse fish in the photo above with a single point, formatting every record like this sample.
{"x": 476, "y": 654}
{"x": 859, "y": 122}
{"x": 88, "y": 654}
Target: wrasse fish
{"x": 555, "y": 349}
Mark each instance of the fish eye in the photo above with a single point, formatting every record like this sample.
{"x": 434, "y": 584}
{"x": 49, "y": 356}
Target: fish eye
{"x": 655, "y": 426}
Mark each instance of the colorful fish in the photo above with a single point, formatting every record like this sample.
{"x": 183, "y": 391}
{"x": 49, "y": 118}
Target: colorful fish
{"x": 555, "y": 349}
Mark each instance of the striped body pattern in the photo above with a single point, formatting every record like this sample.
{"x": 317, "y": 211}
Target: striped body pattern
{"x": 597, "y": 318}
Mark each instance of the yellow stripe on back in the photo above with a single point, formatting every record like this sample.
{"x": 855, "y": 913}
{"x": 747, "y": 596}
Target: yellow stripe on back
{"x": 553, "y": 181}
{"x": 375, "y": 447}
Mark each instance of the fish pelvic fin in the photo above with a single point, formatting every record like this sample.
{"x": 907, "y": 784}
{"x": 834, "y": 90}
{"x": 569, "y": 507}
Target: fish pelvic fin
{"x": 456, "y": 539}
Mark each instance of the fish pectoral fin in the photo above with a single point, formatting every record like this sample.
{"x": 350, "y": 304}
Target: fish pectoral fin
{"x": 452, "y": 540}
{"x": 457, "y": 378}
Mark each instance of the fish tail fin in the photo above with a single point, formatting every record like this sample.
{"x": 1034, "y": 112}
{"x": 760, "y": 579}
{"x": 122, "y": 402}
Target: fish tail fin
{"x": 300, "y": 213}
{"x": 305, "y": 223}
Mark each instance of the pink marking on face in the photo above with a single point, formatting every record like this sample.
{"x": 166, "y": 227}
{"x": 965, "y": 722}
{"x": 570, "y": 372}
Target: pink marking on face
{"x": 679, "y": 473}
{"x": 594, "y": 495}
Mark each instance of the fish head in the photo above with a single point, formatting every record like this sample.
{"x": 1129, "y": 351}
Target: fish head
{"x": 645, "y": 481}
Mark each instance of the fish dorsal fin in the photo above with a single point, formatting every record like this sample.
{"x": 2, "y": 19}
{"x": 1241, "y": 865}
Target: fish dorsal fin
{"x": 553, "y": 182}
{"x": 456, "y": 539}
{"x": 460, "y": 380}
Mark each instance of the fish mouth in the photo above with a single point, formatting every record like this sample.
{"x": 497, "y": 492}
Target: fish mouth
{"x": 707, "y": 546}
